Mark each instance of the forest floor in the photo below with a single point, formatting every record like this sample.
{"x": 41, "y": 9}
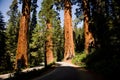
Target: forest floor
{"x": 68, "y": 71}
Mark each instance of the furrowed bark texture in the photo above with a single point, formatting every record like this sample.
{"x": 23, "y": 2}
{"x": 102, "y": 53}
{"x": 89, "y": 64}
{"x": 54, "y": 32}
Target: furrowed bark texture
{"x": 22, "y": 46}
{"x": 88, "y": 35}
{"x": 49, "y": 45}
{"x": 68, "y": 31}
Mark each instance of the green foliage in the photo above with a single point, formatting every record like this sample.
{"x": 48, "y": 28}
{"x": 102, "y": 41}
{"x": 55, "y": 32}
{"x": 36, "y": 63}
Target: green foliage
{"x": 33, "y": 21}
{"x": 12, "y": 31}
{"x": 105, "y": 28}
{"x": 37, "y": 46}
{"x": 102, "y": 63}
{"x": 2, "y": 43}
{"x": 58, "y": 39}
{"x": 104, "y": 25}
{"x": 58, "y": 43}
{"x": 48, "y": 14}
{"x": 2, "y": 34}
{"x": 36, "y": 39}
{"x": 78, "y": 59}
{"x": 78, "y": 39}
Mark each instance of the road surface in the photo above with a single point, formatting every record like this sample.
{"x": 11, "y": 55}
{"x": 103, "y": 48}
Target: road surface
{"x": 67, "y": 71}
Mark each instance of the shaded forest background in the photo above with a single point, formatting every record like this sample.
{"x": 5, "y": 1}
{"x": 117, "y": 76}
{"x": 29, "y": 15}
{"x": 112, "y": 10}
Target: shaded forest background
{"x": 102, "y": 18}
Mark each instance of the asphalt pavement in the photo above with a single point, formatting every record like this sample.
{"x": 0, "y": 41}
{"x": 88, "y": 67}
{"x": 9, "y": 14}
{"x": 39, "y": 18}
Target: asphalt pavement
{"x": 67, "y": 71}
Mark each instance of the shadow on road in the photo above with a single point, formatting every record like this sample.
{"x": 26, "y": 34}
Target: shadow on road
{"x": 69, "y": 73}
{"x": 59, "y": 71}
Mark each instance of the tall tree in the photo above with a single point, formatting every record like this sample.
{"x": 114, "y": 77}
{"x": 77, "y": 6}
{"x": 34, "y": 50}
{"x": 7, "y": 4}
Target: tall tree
{"x": 22, "y": 46}
{"x": 32, "y": 32}
{"x": 58, "y": 39}
{"x": 68, "y": 31}
{"x": 48, "y": 43}
{"x": 87, "y": 34}
{"x": 79, "y": 39}
{"x": 12, "y": 30}
{"x": 34, "y": 15}
{"x": 37, "y": 45}
{"x": 2, "y": 35}
{"x": 47, "y": 15}
{"x": 2, "y": 43}
{"x": 105, "y": 22}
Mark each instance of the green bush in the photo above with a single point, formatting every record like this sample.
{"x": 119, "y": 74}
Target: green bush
{"x": 78, "y": 59}
{"x": 104, "y": 62}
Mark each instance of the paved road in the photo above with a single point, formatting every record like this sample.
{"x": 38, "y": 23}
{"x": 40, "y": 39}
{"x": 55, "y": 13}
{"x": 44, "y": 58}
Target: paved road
{"x": 63, "y": 71}
{"x": 66, "y": 71}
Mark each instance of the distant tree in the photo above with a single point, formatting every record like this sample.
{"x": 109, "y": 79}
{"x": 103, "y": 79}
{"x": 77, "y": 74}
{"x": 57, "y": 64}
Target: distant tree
{"x": 68, "y": 31}
{"x": 32, "y": 32}
{"x": 33, "y": 21}
{"x": 58, "y": 39}
{"x": 49, "y": 18}
{"x": 37, "y": 45}
{"x": 22, "y": 45}
{"x": 2, "y": 43}
{"x": 79, "y": 39}
{"x": 12, "y": 31}
{"x": 47, "y": 14}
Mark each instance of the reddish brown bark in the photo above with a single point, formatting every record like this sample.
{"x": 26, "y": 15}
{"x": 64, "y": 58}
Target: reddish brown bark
{"x": 88, "y": 35}
{"x": 22, "y": 46}
{"x": 68, "y": 31}
{"x": 49, "y": 45}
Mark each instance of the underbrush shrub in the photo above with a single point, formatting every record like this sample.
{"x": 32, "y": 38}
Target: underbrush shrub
{"x": 103, "y": 62}
{"x": 78, "y": 59}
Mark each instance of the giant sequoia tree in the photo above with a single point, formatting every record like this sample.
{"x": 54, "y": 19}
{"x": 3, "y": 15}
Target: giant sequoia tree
{"x": 47, "y": 15}
{"x": 104, "y": 24}
{"x": 68, "y": 31}
{"x": 87, "y": 34}
{"x": 22, "y": 46}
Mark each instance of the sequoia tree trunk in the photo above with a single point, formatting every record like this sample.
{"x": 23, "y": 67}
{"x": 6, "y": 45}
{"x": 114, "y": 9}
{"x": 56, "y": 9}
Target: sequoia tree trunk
{"x": 22, "y": 46}
{"x": 88, "y": 35}
{"x": 68, "y": 31}
{"x": 48, "y": 44}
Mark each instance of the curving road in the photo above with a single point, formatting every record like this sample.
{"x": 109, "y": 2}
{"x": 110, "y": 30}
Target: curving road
{"x": 67, "y": 71}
